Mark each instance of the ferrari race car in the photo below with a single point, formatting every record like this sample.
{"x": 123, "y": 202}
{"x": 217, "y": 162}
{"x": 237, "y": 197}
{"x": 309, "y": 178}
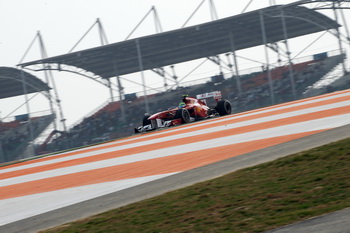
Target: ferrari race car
{"x": 190, "y": 109}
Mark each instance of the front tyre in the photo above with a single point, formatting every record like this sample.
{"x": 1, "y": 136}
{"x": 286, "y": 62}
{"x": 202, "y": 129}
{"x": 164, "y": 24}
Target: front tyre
{"x": 223, "y": 107}
{"x": 183, "y": 114}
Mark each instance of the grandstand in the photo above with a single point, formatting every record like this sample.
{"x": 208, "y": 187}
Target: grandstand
{"x": 17, "y": 133}
{"x": 15, "y": 140}
{"x": 106, "y": 124}
{"x": 271, "y": 85}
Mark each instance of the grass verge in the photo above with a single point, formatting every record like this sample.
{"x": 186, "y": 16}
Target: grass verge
{"x": 255, "y": 199}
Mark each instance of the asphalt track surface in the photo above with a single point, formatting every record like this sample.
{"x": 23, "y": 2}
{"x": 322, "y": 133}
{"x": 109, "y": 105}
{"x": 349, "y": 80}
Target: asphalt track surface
{"x": 47, "y": 192}
{"x": 337, "y": 222}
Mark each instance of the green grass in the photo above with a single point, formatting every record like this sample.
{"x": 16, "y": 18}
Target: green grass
{"x": 255, "y": 199}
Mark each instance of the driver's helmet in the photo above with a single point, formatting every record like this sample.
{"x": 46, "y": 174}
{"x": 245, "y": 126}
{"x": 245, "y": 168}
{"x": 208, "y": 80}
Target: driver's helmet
{"x": 183, "y": 97}
{"x": 182, "y": 105}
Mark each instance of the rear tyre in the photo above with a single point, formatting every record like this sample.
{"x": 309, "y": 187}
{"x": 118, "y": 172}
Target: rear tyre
{"x": 183, "y": 114}
{"x": 145, "y": 120}
{"x": 223, "y": 107}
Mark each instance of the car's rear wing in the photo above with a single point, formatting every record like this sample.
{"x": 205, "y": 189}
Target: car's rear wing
{"x": 215, "y": 94}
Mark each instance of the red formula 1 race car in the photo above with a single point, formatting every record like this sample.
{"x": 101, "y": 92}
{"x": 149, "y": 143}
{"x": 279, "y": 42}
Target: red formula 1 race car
{"x": 190, "y": 109}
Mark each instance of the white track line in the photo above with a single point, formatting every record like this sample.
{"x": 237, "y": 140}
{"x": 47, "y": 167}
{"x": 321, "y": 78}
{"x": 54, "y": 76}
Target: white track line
{"x": 307, "y": 126}
{"x": 237, "y": 116}
{"x": 184, "y": 135}
{"x": 14, "y": 209}
{"x": 18, "y": 208}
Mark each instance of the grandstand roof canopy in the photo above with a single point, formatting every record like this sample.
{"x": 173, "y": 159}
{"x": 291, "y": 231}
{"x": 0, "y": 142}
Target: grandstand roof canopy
{"x": 11, "y": 83}
{"x": 204, "y": 40}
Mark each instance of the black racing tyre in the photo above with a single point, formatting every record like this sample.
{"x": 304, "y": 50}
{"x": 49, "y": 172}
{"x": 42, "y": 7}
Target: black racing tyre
{"x": 145, "y": 120}
{"x": 183, "y": 114}
{"x": 223, "y": 107}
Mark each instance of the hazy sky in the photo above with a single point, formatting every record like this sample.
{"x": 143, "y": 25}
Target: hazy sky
{"x": 62, "y": 23}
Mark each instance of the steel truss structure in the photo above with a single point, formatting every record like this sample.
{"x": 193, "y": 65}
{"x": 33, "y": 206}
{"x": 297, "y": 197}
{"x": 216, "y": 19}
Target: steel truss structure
{"x": 267, "y": 27}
